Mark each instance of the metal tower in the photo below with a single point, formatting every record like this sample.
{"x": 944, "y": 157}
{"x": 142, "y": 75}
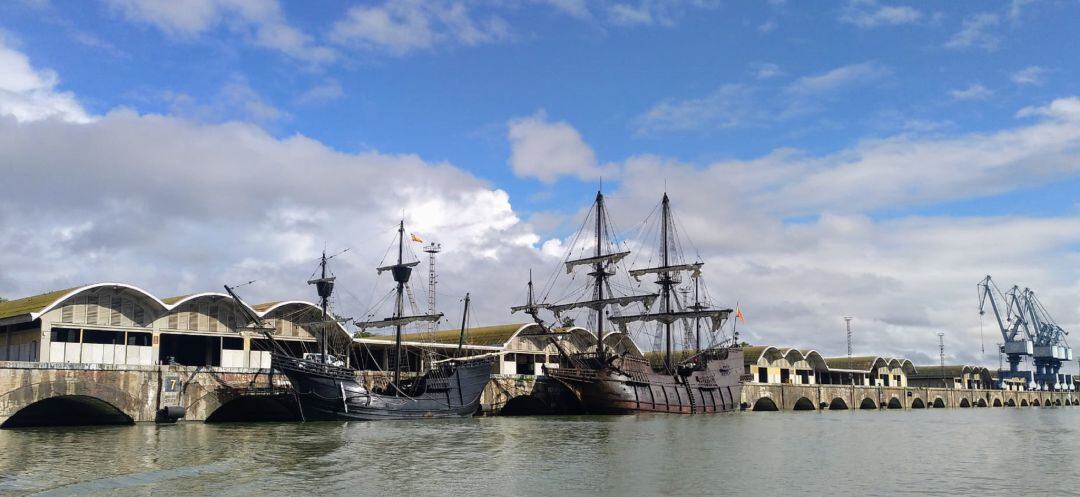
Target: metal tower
{"x": 941, "y": 354}
{"x": 847, "y": 320}
{"x": 432, "y": 249}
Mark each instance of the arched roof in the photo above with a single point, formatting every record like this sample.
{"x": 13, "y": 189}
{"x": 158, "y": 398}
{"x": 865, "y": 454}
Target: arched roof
{"x": 36, "y": 306}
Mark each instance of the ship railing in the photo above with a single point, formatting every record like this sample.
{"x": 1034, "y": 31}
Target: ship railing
{"x": 284, "y": 362}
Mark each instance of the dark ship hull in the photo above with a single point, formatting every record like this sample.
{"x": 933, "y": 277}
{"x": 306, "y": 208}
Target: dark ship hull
{"x": 450, "y": 390}
{"x": 629, "y": 385}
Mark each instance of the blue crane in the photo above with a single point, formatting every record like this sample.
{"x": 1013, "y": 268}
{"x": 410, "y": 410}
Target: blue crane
{"x": 1017, "y": 342}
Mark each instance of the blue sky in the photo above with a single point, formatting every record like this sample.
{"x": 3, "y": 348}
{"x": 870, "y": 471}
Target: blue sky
{"x": 451, "y": 100}
{"x": 927, "y": 137}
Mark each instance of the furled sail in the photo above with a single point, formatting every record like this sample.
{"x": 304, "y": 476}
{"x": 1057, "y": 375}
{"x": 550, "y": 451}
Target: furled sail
{"x": 392, "y": 266}
{"x": 716, "y": 318}
{"x": 638, "y": 273}
{"x": 404, "y": 320}
{"x": 609, "y": 258}
{"x": 527, "y": 307}
{"x": 598, "y": 304}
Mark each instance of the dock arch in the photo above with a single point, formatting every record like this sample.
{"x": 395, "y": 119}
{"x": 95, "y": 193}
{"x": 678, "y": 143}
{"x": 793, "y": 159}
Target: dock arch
{"x": 980, "y": 403}
{"x": 997, "y": 402}
{"x": 1023, "y": 403}
{"x": 838, "y": 404}
{"x": 964, "y": 402}
{"x": 68, "y": 410}
{"x": 867, "y": 403}
{"x": 765, "y": 404}
{"x": 894, "y": 403}
{"x": 918, "y": 404}
{"x": 803, "y": 404}
{"x": 1057, "y": 402}
{"x": 938, "y": 403}
{"x": 67, "y": 403}
{"x": 1036, "y": 403}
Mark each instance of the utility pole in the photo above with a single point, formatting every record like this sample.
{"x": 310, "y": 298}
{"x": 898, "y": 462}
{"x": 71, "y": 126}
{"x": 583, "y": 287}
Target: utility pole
{"x": 941, "y": 354}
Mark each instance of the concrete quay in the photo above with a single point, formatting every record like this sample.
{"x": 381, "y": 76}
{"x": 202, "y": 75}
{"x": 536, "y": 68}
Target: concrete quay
{"x": 789, "y": 397}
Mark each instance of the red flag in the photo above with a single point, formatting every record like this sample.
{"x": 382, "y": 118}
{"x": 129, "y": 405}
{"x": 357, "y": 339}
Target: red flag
{"x": 738, "y": 315}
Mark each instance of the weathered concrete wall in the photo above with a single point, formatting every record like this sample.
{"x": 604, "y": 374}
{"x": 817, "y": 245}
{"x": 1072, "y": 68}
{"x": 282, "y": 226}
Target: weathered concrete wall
{"x": 800, "y": 397}
{"x": 137, "y": 391}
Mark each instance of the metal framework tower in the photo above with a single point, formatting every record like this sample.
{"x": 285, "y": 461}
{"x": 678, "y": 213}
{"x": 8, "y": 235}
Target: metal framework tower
{"x": 847, "y": 321}
{"x": 941, "y": 354}
{"x": 432, "y": 249}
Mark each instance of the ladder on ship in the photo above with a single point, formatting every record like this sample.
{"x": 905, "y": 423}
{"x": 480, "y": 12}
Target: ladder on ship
{"x": 690, "y": 392}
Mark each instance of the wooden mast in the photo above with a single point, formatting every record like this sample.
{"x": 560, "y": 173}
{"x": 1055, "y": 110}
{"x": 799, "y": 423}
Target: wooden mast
{"x": 399, "y": 309}
{"x": 665, "y": 280}
{"x": 600, "y": 273}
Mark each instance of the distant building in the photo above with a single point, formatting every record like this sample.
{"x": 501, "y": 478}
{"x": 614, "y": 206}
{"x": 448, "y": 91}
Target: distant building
{"x": 770, "y": 364}
{"x": 963, "y": 376}
{"x": 116, "y": 323}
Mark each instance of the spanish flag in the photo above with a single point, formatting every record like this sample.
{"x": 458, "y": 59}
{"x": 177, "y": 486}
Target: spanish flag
{"x": 738, "y": 314}
{"x": 415, "y": 238}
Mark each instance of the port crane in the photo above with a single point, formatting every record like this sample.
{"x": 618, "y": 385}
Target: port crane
{"x": 1027, "y": 330}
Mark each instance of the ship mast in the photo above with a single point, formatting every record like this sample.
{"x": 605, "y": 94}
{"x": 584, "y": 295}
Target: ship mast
{"x": 665, "y": 280}
{"x": 324, "y": 286}
{"x": 600, "y": 274}
{"x": 401, "y": 276}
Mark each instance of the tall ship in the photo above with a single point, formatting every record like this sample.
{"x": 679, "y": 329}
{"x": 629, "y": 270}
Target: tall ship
{"x": 698, "y": 377}
{"x": 326, "y": 388}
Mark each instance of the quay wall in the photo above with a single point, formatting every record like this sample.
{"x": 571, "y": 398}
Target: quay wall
{"x": 787, "y": 397}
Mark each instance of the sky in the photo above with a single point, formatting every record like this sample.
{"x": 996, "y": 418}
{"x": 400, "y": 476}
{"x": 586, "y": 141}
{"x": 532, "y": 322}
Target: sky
{"x": 858, "y": 158}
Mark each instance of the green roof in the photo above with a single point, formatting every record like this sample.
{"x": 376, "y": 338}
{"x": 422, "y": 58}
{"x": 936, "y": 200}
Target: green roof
{"x": 28, "y": 305}
{"x": 488, "y": 336}
{"x": 173, "y": 300}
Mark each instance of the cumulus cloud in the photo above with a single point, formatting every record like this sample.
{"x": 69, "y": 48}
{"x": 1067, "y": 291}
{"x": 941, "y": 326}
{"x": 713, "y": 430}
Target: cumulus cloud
{"x": 838, "y": 78}
{"x": 729, "y": 106}
{"x": 403, "y": 26}
{"x": 262, "y": 22}
{"x": 973, "y": 91}
{"x": 870, "y": 14}
{"x": 1031, "y": 75}
{"x": 549, "y": 150}
{"x": 976, "y": 31}
{"x": 30, "y": 94}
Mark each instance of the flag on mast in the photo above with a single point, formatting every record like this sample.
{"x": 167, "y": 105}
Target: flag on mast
{"x": 739, "y": 314}
{"x": 415, "y": 238}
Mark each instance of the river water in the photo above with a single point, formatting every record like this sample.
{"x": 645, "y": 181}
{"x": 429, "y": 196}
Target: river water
{"x": 991, "y": 451}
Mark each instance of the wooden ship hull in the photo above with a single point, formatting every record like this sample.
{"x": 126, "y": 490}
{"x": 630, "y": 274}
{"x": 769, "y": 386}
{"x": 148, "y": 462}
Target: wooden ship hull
{"x": 630, "y": 385}
{"x": 450, "y": 390}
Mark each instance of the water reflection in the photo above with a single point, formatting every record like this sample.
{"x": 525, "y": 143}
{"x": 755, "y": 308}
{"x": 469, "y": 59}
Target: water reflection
{"x": 927, "y": 452}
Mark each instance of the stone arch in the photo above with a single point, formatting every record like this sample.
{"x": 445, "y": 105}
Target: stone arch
{"x": 838, "y": 404}
{"x": 894, "y": 403}
{"x": 938, "y": 403}
{"x": 1057, "y": 402}
{"x": 1010, "y": 403}
{"x": 765, "y": 404}
{"x": 76, "y": 393}
{"x": 867, "y": 403}
{"x": 997, "y": 402}
{"x": 918, "y": 404}
{"x": 1023, "y": 403}
{"x": 803, "y": 404}
{"x": 255, "y": 408}
{"x": 981, "y": 402}
{"x": 1076, "y": 402}
{"x": 1036, "y": 403}
{"x": 68, "y": 410}
{"x": 964, "y": 402}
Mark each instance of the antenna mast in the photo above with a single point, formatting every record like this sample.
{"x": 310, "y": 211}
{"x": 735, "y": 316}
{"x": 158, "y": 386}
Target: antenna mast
{"x": 847, "y": 321}
{"x": 941, "y": 353}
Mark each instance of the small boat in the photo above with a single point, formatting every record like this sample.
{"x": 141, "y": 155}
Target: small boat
{"x": 327, "y": 389}
{"x": 706, "y": 379}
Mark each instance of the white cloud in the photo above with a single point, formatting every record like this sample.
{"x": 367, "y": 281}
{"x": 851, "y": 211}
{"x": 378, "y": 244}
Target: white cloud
{"x": 1017, "y": 7}
{"x": 628, "y": 15}
{"x": 975, "y": 31}
{"x": 549, "y": 150}
{"x": 1063, "y": 109}
{"x": 767, "y": 26}
{"x": 1031, "y": 75}
{"x": 973, "y": 91}
{"x": 729, "y": 106}
{"x": 29, "y": 94}
{"x": 261, "y": 21}
{"x": 768, "y": 70}
{"x": 403, "y": 26}
{"x": 573, "y": 8}
{"x": 838, "y": 78}
{"x": 869, "y": 14}
{"x": 327, "y": 91}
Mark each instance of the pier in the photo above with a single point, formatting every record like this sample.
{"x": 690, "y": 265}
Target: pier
{"x": 783, "y": 397}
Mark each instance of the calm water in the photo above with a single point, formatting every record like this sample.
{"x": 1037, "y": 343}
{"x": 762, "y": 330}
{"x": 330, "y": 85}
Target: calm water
{"x": 935, "y": 452}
